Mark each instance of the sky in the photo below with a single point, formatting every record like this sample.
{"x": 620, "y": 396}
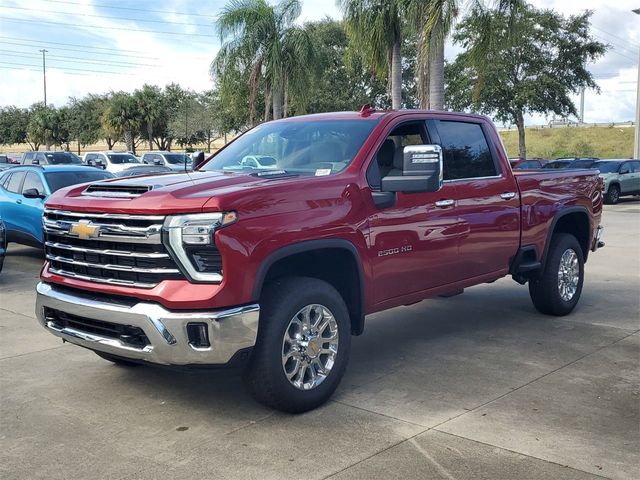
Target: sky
{"x": 96, "y": 46}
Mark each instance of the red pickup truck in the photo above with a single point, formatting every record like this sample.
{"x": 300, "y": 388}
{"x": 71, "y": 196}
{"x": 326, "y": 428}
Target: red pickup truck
{"x": 271, "y": 253}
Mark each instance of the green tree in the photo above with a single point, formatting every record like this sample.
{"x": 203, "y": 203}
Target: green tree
{"x": 152, "y": 110}
{"x": 13, "y": 126}
{"x": 375, "y": 28}
{"x": 261, "y": 41}
{"x": 122, "y": 117}
{"x": 535, "y": 71}
{"x": 43, "y": 125}
{"x": 85, "y": 123}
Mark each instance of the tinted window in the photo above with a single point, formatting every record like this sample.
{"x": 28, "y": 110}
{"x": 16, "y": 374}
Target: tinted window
{"x": 58, "y": 180}
{"x": 122, "y": 158}
{"x": 15, "y": 181}
{"x": 556, "y": 165}
{"x": 176, "y": 158}
{"x": 527, "y": 165}
{"x": 28, "y": 157}
{"x": 4, "y": 159}
{"x": 59, "y": 158}
{"x": 606, "y": 167}
{"x": 636, "y": 167}
{"x": 466, "y": 151}
{"x": 626, "y": 168}
{"x": 582, "y": 164}
{"x": 4, "y": 180}
{"x": 33, "y": 181}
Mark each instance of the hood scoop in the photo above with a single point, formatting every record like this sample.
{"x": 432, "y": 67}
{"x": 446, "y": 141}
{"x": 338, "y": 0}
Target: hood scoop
{"x": 116, "y": 190}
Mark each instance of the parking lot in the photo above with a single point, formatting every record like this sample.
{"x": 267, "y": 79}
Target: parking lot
{"x": 473, "y": 386}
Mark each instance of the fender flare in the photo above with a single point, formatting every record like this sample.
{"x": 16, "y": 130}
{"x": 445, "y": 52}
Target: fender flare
{"x": 558, "y": 216}
{"x": 357, "y": 318}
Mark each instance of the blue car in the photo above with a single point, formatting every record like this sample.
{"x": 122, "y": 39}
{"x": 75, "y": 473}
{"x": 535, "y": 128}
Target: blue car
{"x": 23, "y": 191}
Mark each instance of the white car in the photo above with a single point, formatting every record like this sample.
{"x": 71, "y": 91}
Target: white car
{"x": 113, "y": 162}
{"x": 172, "y": 160}
{"x": 259, "y": 161}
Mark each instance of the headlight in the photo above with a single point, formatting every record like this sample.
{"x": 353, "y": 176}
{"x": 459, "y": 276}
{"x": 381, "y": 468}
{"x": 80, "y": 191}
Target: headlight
{"x": 190, "y": 238}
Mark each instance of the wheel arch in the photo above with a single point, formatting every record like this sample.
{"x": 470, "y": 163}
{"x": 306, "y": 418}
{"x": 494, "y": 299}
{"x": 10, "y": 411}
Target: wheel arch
{"x": 320, "y": 259}
{"x": 575, "y": 221}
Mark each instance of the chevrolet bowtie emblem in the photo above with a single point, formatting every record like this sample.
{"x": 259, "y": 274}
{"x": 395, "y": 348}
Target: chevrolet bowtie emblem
{"x": 84, "y": 230}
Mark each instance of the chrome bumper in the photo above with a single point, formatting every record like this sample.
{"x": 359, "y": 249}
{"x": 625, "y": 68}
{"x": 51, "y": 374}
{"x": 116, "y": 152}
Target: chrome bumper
{"x": 229, "y": 330}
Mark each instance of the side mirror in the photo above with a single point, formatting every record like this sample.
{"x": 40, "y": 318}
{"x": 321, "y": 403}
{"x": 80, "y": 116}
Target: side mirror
{"x": 422, "y": 171}
{"x": 624, "y": 171}
{"x": 157, "y": 161}
{"x": 35, "y": 161}
{"x": 32, "y": 193}
{"x": 198, "y": 159}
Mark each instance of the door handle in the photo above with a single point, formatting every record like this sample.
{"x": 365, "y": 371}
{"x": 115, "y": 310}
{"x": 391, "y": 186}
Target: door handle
{"x": 445, "y": 203}
{"x": 507, "y": 195}
{"x": 19, "y": 202}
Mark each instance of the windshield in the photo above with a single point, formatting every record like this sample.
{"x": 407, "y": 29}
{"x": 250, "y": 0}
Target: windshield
{"x": 607, "y": 167}
{"x": 177, "y": 158}
{"x": 60, "y": 158}
{"x": 58, "y": 180}
{"x": 122, "y": 158}
{"x": 321, "y": 147}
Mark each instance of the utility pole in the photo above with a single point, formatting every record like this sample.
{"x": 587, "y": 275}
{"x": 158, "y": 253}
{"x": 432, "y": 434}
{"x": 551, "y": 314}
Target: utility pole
{"x": 582, "y": 105}
{"x": 44, "y": 75}
{"x": 636, "y": 141}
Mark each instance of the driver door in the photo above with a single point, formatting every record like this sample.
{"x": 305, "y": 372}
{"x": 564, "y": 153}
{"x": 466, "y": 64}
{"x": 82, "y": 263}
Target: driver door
{"x": 413, "y": 242}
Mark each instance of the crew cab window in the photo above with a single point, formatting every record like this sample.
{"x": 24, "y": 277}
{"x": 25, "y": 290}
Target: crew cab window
{"x": 466, "y": 153}
{"x": 33, "y": 181}
{"x": 15, "y": 181}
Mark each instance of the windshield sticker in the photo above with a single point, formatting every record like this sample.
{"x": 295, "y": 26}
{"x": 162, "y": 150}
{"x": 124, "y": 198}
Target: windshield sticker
{"x": 321, "y": 172}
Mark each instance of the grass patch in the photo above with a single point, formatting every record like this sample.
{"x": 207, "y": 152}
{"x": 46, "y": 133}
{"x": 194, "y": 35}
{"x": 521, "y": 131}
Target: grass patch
{"x": 602, "y": 142}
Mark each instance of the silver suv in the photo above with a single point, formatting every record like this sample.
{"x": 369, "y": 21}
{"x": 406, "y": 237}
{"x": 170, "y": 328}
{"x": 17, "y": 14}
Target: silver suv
{"x": 172, "y": 160}
{"x": 621, "y": 177}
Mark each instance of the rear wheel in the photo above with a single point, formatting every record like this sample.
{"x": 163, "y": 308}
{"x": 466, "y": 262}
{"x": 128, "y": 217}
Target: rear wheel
{"x": 121, "y": 362}
{"x": 303, "y": 345}
{"x": 613, "y": 195}
{"x": 558, "y": 289}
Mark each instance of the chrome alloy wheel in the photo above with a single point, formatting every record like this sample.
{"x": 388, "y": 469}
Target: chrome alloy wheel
{"x": 568, "y": 275}
{"x": 310, "y": 346}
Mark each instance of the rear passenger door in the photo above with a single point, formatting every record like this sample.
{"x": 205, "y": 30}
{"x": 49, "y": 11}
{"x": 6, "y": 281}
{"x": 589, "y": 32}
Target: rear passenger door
{"x": 12, "y": 202}
{"x": 627, "y": 181}
{"x": 487, "y": 200}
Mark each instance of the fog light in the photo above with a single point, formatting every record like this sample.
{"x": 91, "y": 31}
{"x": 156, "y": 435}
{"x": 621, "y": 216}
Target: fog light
{"x": 198, "y": 334}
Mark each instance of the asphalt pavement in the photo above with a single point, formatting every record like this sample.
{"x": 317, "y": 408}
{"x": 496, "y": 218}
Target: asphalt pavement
{"x": 474, "y": 386}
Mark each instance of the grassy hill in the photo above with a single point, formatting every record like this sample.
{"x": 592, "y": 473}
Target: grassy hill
{"x": 602, "y": 142}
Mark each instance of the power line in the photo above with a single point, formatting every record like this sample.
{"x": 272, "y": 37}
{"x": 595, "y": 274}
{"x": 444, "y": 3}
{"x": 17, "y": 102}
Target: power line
{"x": 67, "y": 68}
{"x": 62, "y": 58}
{"x": 135, "y": 9}
{"x": 80, "y": 50}
{"x": 126, "y": 29}
{"x": 39, "y": 70}
{"x": 626, "y": 40}
{"x": 70, "y": 44}
{"x": 142, "y": 20}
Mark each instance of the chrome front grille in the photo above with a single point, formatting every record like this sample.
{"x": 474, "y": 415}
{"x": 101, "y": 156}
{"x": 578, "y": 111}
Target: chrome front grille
{"x": 115, "y": 249}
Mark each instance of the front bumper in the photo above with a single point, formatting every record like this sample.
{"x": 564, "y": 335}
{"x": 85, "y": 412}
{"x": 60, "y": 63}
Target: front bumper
{"x": 229, "y": 331}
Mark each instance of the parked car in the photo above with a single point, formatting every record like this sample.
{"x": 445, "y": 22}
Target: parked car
{"x": 621, "y": 178}
{"x": 23, "y": 190}
{"x": 143, "y": 170}
{"x": 571, "y": 163}
{"x": 172, "y": 160}
{"x": 113, "y": 162}
{"x": 3, "y": 242}
{"x": 278, "y": 268}
{"x": 5, "y": 162}
{"x": 259, "y": 161}
{"x": 50, "y": 158}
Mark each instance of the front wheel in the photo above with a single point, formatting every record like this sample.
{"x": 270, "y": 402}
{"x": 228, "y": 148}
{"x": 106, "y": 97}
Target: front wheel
{"x": 302, "y": 347}
{"x": 558, "y": 289}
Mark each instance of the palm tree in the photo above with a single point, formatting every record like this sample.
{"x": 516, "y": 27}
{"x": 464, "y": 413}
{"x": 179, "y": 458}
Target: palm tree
{"x": 438, "y": 18}
{"x": 375, "y": 28}
{"x": 258, "y": 39}
{"x": 149, "y": 102}
{"x": 122, "y": 116}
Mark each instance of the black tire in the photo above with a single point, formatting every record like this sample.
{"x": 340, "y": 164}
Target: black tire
{"x": 545, "y": 290}
{"x": 613, "y": 195}
{"x": 121, "y": 362}
{"x": 264, "y": 376}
